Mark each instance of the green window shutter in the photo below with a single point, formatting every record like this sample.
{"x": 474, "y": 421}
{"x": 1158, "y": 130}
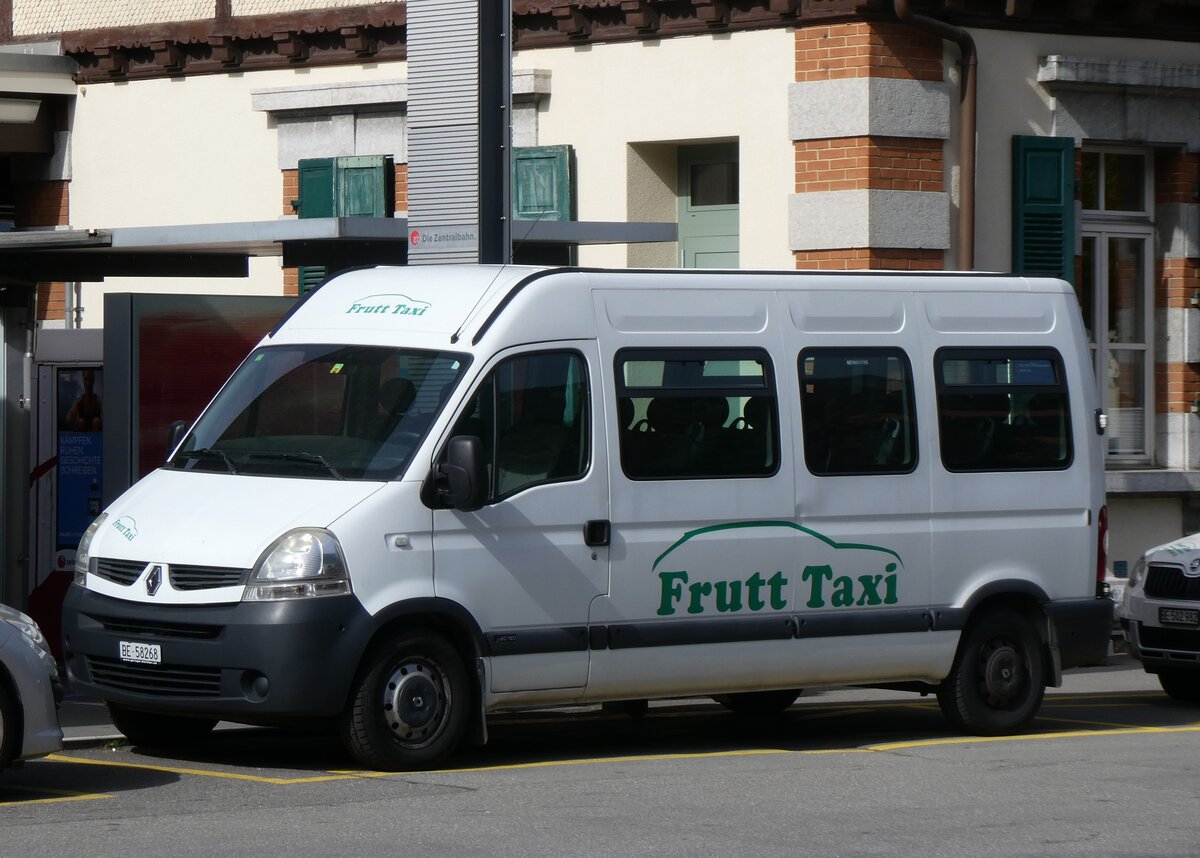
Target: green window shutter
{"x": 1044, "y": 206}
{"x": 364, "y": 186}
{"x": 541, "y": 183}
{"x": 317, "y": 193}
{"x": 311, "y": 277}
{"x": 316, "y": 187}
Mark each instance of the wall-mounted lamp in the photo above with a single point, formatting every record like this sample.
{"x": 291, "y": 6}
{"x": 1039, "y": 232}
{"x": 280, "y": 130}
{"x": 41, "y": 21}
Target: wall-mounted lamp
{"x": 19, "y": 111}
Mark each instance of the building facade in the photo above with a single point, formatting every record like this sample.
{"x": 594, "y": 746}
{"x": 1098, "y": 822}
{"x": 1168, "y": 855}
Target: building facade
{"x": 1002, "y": 135}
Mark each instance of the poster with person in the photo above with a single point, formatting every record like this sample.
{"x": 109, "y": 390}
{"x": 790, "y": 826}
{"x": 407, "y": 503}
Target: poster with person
{"x": 80, "y": 396}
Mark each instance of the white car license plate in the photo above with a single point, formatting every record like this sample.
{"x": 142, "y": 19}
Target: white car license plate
{"x": 141, "y": 653}
{"x": 1179, "y": 616}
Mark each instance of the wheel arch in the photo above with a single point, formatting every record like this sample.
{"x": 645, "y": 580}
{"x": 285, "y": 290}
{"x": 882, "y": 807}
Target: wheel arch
{"x": 1024, "y": 597}
{"x": 9, "y": 687}
{"x": 452, "y": 621}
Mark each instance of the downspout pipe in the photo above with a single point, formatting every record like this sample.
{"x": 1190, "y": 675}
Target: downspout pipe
{"x": 967, "y": 124}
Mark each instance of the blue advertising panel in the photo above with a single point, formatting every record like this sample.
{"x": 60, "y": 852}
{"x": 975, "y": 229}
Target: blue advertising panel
{"x": 80, "y": 443}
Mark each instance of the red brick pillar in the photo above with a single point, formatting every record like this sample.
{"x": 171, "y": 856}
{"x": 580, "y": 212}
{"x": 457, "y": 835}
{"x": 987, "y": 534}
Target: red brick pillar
{"x": 840, "y": 167}
{"x": 44, "y": 204}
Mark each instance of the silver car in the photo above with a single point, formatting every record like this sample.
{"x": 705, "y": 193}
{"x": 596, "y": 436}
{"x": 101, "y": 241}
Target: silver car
{"x": 30, "y": 691}
{"x": 1159, "y": 613}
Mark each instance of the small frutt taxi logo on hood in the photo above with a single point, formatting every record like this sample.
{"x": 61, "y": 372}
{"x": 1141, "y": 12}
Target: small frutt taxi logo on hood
{"x": 127, "y": 527}
{"x": 388, "y": 305}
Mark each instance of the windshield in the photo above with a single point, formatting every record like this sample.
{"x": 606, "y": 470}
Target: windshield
{"x": 332, "y": 412}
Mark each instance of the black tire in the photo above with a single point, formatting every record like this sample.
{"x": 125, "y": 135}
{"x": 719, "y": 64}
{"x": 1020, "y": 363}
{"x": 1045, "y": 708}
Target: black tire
{"x": 997, "y": 682}
{"x": 155, "y": 730}
{"x": 1181, "y": 685}
{"x": 759, "y": 703}
{"x": 409, "y": 704}
{"x": 10, "y": 727}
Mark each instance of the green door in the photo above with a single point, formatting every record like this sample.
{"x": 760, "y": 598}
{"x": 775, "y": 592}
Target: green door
{"x": 708, "y": 206}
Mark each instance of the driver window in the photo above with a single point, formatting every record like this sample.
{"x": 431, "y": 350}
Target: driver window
{"x": 531, "y": 415}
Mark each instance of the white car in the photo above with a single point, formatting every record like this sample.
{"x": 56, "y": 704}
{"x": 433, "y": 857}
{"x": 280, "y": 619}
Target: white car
{"x": 1159, "y": 614}
{"x": 30, "y": 691}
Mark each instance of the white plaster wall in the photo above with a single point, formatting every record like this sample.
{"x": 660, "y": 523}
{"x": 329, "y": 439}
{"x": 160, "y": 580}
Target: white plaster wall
{"x": 697, "y": 88}
{"x": 187, "y": 151}
{"x": 1012, "y": 102}
{"x": 1135, "y": 525}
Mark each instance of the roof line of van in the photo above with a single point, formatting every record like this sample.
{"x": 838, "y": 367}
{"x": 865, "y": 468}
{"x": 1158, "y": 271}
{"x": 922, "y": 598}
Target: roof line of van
{"x": 516, "y": 288}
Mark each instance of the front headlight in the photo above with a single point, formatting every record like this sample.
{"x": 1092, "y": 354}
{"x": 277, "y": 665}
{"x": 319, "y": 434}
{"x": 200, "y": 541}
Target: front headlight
{"x": 1139, "y": 569}
{"x": 301, "y": 564}
{"x": 83, "y": 555}
{"x": 32, "y": 635}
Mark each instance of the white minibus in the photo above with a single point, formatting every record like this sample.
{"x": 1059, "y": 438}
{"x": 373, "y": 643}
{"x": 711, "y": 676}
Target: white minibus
{"x": 434, "y": 493}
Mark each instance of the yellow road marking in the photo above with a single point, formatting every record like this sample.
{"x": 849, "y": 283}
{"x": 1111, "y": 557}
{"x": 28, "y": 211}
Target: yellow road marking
{"x": 345, "y": 775}
{"x": 60, "y": 796}
{"x": 236, "y": 776}
{"x": 1069, "y": 734}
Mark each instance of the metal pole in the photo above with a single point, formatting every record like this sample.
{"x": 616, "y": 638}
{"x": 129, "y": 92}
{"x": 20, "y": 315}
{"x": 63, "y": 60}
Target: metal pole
{"x": 495, "y": 131}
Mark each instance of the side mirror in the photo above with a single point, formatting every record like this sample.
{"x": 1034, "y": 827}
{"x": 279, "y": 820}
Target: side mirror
{"x": 462, "y": 481}
{"x": 175, "y": 433}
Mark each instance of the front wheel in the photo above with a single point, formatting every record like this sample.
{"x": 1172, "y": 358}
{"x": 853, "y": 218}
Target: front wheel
{"x": 10, "y": 727}
{"x": 408, "y": 709}
{"x": 159, "y": 731}
{"x": 1181, "y": 685}
{"x": 996, "y": 684}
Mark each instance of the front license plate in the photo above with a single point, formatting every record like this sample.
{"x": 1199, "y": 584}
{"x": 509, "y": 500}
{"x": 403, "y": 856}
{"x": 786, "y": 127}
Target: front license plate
{"x": 141, "y": 653}
{"x": 1179, "y": 616}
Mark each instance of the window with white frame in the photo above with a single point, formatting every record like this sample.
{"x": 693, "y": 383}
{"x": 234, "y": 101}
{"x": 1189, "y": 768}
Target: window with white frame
{"x": 1115, "y": 287}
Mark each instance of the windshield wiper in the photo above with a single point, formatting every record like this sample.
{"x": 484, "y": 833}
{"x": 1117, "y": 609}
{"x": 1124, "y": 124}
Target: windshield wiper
{"x": 312, "y": 458}
{"x": 202, "y": 452}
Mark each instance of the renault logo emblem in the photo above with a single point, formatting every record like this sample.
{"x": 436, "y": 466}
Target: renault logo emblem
{"x": 154, "y": 581}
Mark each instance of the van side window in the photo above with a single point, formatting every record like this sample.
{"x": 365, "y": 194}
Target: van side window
{"x": 1002, "y": 410}
{"x": 531, "y": 413}
{"x": 694, "y": 413}
{"x": 857, "y": 410}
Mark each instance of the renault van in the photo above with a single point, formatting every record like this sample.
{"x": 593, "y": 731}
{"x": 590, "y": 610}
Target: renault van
{"x": 435, "y": 493}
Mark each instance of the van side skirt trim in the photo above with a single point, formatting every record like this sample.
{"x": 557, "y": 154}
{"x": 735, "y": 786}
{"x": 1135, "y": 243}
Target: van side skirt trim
{"x": 776, "y": 627}
{"x": 537, "y": 641}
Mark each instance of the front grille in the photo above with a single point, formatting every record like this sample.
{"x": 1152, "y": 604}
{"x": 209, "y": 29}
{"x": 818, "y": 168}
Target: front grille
{"x": 158, "y": 629}
{"x": 206, "y": 577}
{"x": 125, "y": 572}
{"x": 155, "y": 680}
{"x": 119, "y": 571}
{"x": 1169, "y": 582}
{"x": 1181, "y": 640}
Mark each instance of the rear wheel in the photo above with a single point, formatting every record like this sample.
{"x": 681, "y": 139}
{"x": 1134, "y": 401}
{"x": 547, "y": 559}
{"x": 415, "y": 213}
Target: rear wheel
{"x": 10, "y": 727}
{"x": 996, "y": 684}
{"x": 1182, "y": 685}
{"x": 409, "y": 705}
{"x": 159, "y": 731}
{"x": 758, "y": 703}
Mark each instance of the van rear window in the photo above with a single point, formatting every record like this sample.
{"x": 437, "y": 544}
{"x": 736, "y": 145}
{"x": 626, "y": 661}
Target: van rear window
{"x": 1003, "y": 410}
{"x": 696, "y": 413}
